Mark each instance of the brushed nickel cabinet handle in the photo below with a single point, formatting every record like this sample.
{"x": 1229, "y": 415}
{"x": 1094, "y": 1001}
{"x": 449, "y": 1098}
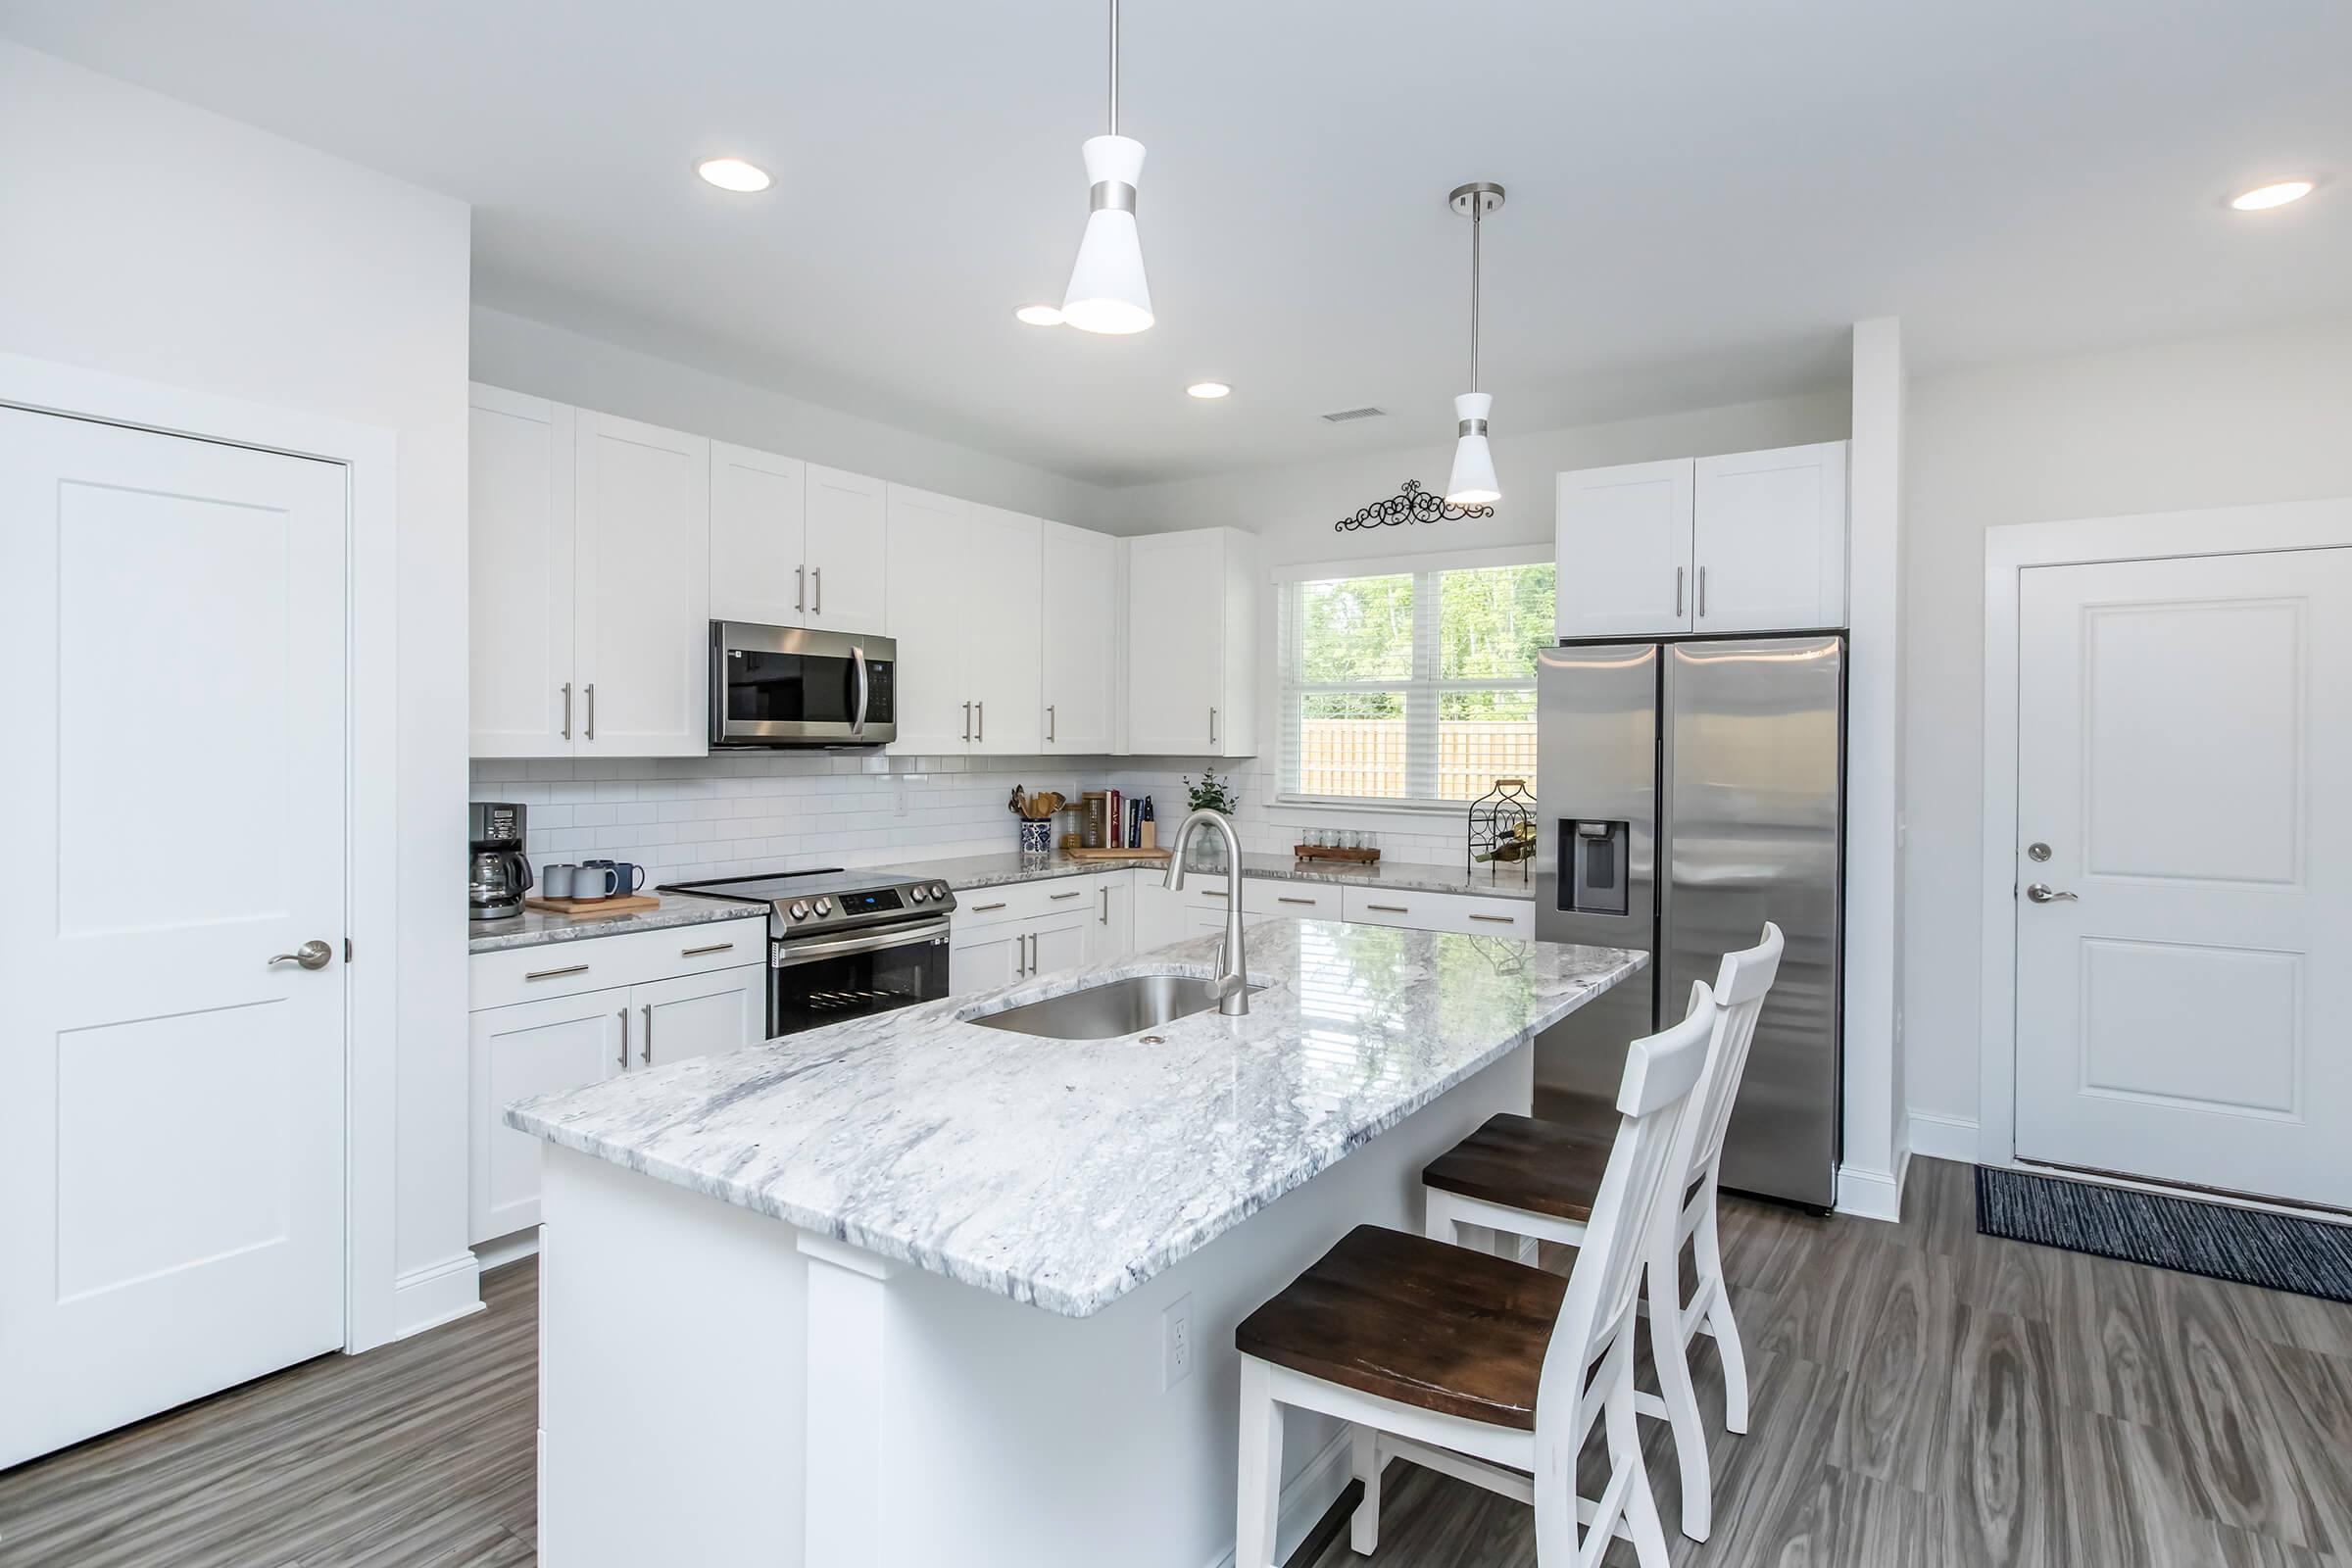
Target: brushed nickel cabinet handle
{"x": 648, "y": 1048}
{"x": 1104, "y": 917}
{"x": 1281, "y": 897}
{"x": 695, "y": 953}
{"x": 592, "y": 710}
{"x": 816, "y": 579}
{"x": 1212, "y": 726}
{"x": 799, "y": 590}
{"x": 1058, "y": 897}
{"x": 1702, "y": 593}
{"x": 1049, "y": 722}
{"x": 550, "y": 974}
{"x": 1678, "y": 589}
{"x": 624, "y": 1039}
{"x": 567, "y": 709}
{"x": 968, "y": 722}
{"x": 1389, "y": 908}
{"x": 979, "y": 721}
{"x": 1498, "y": 919}
{"x": 983, "y": 909}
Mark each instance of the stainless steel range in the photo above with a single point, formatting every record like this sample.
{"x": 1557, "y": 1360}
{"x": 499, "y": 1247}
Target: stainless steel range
{"x": 844, "y": 943}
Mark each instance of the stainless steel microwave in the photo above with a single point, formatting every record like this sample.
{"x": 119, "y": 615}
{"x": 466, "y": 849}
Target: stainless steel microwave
{"x": 785, "y": 686}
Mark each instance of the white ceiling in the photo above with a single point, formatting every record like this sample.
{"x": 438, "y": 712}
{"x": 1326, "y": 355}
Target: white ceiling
{"x": 1702, "y": 193}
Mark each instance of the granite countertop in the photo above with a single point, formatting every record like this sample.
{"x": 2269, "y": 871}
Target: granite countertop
{"x": 533, "y": 927}
{"x": 1065, "y": 1173}
{"x": 969, "y": 871}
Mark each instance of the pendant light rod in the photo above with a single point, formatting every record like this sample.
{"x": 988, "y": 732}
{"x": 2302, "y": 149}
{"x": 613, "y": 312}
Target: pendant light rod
{"x": 1472, "y": 201}
{"x": 1114, "y": 66}
{"x": 1476, "y": 227}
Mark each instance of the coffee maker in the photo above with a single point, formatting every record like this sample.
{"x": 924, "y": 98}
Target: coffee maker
{"x": 501, "y": 872}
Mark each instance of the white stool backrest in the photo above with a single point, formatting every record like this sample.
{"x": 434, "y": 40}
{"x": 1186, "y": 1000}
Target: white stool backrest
{"x": 1739, "y": 987}
{"x": 1639, "y": 1194}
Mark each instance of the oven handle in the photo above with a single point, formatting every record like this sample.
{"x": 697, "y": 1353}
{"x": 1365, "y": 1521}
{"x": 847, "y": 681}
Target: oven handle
{"x": 788, "y": 955}
{"x": 858, "y": 724}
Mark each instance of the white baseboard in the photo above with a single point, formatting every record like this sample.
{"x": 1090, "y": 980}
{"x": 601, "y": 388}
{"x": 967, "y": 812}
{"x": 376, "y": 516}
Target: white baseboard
{"x": 1942, "y": 1136}
{"x": 437, "y": 1293}
{"x": 1874, "y": 1194}
{"x": 1306, "y": 1498}
{"x": 503, "y": 1250}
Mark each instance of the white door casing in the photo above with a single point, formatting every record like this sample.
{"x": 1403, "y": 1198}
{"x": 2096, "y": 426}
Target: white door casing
{"x": 172, "y": 1116}
{"x": 2183, "y": 745}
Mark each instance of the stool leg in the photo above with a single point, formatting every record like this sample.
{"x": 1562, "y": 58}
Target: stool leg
{"x": 1258, "y": 1498}
{"x": 1706, "y": 1250}
{"x": 1624, "y": 1454}
{"x": 1679, "y": 1395}
{"x": 1364, "y": 1526}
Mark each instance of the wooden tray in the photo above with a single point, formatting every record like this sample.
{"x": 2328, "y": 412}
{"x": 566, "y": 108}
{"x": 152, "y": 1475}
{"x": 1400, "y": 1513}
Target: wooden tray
{"x": 617, "y": 904}
{"x": 1083, "y": 853}
{"x": 1323, "y": 851}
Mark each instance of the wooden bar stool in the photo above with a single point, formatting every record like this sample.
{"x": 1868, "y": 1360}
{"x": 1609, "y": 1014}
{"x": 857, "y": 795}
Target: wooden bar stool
{"x": 1522, "y": 1177}
{"x": 1479, "y": 1366}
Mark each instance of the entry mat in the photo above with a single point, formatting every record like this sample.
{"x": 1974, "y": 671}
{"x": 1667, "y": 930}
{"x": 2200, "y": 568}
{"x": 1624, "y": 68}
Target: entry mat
{"x": 2277, "y": 1252}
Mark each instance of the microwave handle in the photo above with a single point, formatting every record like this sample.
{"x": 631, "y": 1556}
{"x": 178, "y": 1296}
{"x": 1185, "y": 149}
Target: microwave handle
{"x": 857, "y": 656}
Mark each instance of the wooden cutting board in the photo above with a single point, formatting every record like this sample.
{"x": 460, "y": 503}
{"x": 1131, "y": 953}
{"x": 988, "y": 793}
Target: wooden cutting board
{"x": 617, "y": 904}
{"x": 1116, "y": 854}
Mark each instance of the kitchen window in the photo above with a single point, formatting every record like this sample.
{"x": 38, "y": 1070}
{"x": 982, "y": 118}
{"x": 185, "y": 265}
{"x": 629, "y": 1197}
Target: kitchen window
{"x": 1411, "y": 686}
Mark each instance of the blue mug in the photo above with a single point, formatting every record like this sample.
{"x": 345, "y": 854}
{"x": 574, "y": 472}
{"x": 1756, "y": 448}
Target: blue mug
{"x": 633, "y": 877}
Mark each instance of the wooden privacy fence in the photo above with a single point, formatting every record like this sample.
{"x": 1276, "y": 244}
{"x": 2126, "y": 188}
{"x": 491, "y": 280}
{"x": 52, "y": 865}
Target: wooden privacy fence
{"x": 1367, "y": 756}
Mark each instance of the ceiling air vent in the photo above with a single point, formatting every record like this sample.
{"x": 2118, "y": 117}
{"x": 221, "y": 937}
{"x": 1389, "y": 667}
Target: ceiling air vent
{"x": 1345, "y": 415}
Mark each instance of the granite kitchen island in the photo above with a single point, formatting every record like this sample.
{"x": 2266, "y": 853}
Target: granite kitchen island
{"x": 914, "y": 1290}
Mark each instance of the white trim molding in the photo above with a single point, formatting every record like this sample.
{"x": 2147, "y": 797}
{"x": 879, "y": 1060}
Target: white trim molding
{"x": 1937, "y": 1136}
{"x": 1305, "y": 1497}
{"x": 437, "y": 1293}
{"x": 2008, "y": 552}
{"x": 368, "y": 454}
{"x": 1873, "y": 1193}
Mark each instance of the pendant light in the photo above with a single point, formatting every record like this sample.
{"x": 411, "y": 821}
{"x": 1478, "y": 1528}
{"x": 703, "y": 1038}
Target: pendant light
{"x": 1472, "y": 484}
{"x": 1108, "y": 292}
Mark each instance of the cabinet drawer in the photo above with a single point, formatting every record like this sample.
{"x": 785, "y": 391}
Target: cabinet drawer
{"x": 591, "y": 963}
{"x": 1024, "y": 901}
{"x": 1295, "y": 900}
{"x": 1442, "y": 912}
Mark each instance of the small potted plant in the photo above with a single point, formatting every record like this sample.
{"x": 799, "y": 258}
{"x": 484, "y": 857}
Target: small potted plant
{"x": 1206, "y": 851}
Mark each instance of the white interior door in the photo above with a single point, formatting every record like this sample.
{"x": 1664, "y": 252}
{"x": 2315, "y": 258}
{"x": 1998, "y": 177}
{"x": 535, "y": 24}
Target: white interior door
{"x": 172, "y": 636}
{"x": 2185, "y": 753}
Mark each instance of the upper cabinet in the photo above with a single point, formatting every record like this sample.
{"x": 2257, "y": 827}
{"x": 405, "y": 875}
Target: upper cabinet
{"x": 1004, "y": 633}
{"x": 793, "y": 544}
{"x": 642, "y": 579}
{"x": 1080, "y": 587}
{"x": 1191, "y": 643}
{"x": 590, "y": 559}
{"x": 1751, "y": 542}
{"x": 519, "y": 549}
{"x": 965, "y": 597}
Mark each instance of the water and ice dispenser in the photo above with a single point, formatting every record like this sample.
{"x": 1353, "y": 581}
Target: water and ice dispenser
{"x": 1593, "y": 879}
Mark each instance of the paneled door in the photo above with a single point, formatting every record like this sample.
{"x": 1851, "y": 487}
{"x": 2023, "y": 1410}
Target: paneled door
{"x": 928, "y": 572}
{"x": 2184, "y": 872}
{"x": 642, "y": 574}
{"x": 171, "y": 664}
{"x": 1623, "y": 537}
{"x": 1004, "y": 635}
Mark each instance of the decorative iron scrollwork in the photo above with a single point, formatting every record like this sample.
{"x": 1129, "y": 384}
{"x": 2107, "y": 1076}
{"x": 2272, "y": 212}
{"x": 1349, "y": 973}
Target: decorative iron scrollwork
{"x": 1410, "y": 504}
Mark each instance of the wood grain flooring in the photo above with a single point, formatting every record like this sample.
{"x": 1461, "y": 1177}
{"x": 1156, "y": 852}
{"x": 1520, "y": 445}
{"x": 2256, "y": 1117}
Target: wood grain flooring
{"x": 1925, "y": 1398}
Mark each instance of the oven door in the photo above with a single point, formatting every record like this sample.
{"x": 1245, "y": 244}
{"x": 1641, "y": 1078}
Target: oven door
{"x": 811, "y": 983}
{"x": 785, "y": 686}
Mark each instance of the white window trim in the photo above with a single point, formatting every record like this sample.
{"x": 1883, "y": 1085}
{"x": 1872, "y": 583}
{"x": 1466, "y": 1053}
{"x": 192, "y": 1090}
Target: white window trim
{"x": 1533, "y": 553}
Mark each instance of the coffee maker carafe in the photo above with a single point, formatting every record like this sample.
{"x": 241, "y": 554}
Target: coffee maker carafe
{"x": 501, "y": 872}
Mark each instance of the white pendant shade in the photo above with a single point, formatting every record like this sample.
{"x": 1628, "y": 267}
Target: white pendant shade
{"x": 1108, "y": 292}
{"x": 1472, "y": 484}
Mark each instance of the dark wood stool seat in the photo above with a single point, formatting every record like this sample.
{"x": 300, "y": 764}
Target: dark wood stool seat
{"x": 1417, "y": 1321}
{"x": 1545, "y": 1167}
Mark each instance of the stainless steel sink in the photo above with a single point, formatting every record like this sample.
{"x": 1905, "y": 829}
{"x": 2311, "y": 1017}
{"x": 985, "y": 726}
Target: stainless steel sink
{"x": 1108, "y": 1010}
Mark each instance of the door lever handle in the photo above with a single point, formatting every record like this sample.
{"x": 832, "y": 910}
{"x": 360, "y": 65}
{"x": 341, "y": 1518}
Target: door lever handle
{"x": 311, "y": 955}
{"x": 2044, "y": 893}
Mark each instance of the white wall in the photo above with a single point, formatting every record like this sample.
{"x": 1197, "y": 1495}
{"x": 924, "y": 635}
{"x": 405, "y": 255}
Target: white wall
{"x": 553, "y": 361}
{"x": 2204, "y": 422}
{"x": 149, "y": 239}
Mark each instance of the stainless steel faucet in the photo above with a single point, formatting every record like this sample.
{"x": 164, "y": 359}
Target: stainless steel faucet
{"x": 1231, "y": 984}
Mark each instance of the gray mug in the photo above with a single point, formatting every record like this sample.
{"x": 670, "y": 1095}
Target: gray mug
{"x": 594, "y": 882}
{"x": 554, "y": 881}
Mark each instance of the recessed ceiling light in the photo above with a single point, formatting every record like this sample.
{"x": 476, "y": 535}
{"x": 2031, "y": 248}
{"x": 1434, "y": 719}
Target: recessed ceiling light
{"x": 1039, "y": 315}
{"x": 1208, "y": 389}
{"x": 2277, "y": 194}
{"x": 733, "y": 174}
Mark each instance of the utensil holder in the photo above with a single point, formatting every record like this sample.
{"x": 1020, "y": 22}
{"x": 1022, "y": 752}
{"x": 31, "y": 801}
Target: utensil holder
{"x": 1037, "y": 840}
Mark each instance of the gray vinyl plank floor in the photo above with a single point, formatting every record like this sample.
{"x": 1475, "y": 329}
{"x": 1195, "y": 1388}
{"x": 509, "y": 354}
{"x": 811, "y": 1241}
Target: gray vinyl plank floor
{"x": 1922, "y": 1396}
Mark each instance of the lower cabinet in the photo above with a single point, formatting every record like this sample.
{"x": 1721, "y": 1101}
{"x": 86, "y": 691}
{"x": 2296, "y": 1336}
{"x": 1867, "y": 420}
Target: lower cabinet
{"x": 1113, "y": 935}
{"x": 986, "y": 952}
{"x": 557, "y": 1042}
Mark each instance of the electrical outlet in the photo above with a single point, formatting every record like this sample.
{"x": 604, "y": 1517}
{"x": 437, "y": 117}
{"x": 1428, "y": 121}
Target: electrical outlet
{"x": 1175, "y": 1344}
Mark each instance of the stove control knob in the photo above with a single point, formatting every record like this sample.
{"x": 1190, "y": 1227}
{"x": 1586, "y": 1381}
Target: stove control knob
{"x": 799, "y": 910}
{"x": 939, "y": 890}
{"x": 922, "y": 891}
{"x": 824, "y": 906}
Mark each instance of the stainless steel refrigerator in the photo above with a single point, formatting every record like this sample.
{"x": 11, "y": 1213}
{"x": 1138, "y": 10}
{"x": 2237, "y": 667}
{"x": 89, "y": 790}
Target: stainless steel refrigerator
{"x": 1691, "y": 790}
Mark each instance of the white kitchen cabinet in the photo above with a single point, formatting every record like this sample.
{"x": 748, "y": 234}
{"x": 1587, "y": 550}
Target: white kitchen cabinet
{"x": 929, "y": 539}
{"x": 983, "y": 958}
{"x": 1081, "y": 651}
{"x": 1468, "y": 914}
{"x": 759, "y": 536}
{"x": 1623, "y": 536}
{"x": 1059, "y": 941}
{"x": 530, "y": 1048}
{"x": 1157, "y": 917}
{"x": 1004, "y": 635}
{"x": 519, "y": 552}
{"x": 1000, "y": 935}
{"x": 847, "y": 552}
{"x": 1753, "y": 541}
{"x": 642, "y": 588}
{"x": 698, "y": 1015}
{"x": 1768, "y": 538}
{"x": 1192, "y": 643}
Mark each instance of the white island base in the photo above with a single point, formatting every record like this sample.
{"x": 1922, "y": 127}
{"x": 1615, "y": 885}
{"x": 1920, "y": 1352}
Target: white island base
{"x": 717, "y": 1387}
